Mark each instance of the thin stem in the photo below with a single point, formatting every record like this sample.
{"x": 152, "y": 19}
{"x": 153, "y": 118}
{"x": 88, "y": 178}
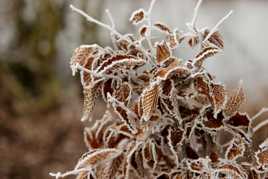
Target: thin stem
{"x": 110, "y": 18}
{"x": 151, "y": 6}
{"x": 264, "y": 144}
{"x": 194, "y": 19}
{"x": 113, "y": 26}
{"x": 148, "y": 37}
{"x": 263, "y": 110}
{"x": 261, "y": 124}
{"x": 73, "y": 172}
{"x": 214, "y": 29}
{"x": 91, "y": 19}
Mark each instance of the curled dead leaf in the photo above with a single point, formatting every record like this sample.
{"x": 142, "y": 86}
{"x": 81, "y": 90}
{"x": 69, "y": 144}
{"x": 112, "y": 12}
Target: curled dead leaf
{"x": 137, "y": 16}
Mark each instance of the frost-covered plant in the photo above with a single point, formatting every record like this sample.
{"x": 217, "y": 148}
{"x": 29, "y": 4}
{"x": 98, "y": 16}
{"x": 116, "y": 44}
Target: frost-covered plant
{"x": 166, "y": 117}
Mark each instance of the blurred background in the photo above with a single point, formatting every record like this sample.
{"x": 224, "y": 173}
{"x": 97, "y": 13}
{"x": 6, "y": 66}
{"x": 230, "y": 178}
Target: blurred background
{"x": 40, "y": 102}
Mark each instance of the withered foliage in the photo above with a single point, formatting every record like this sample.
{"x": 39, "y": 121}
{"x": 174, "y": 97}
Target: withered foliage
{"x": 165, "y": 115}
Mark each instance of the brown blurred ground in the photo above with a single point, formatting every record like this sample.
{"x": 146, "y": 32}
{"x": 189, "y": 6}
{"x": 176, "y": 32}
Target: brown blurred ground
{"x": 40, "y": 103}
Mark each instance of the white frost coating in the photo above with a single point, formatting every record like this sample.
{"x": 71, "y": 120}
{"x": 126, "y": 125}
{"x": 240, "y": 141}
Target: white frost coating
{"x": 264, "y": 144}
{"x": 263, "y": 123}
{"x": 91, "y": 19}
{"x": 150, "y": 24}
{"x": 192, "y": 24}
{"x": 110, "y": 18}
{"x": 214, "y": 29}
{"x": 72, "y": 172}
{"x": 114, "y": 101}
{"x": 263, "y": 110}
{"x": 260, "y": 125}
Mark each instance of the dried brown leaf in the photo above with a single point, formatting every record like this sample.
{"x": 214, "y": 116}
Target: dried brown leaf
{"x": 232, "y": 170}
{"x": 162, "y": 27}
{"x": 119, "y": 64}
{"x": 168, "y": 65}
{"x": 218, "y": 96}
{"x": 97, "y": 157}
{"x": 90, "y": 139}
{"x": 143, "y": 31}
{"x": 215, "y": 39}
{"x": 214, "y": 157}
{"x": 193, "y": 41}
{"x": 90, "y": 95}
{"x": 123, "y": 93}
{"x": 110, "y": 169}
{"x": 191, "y": 153}
{"x": 93, "y": 136}
{"x": 137, "y": 16}
{"x": 204, "y": 54}
{"x": 162, "y": 52}
{"x": 234, "y": 101}
{"x": 107, "y": 88}
{"x": 235, "y": 149}
{"x": 84, "y": 55}
{"x": 167, "y": 87}
{"x": 211, "y": 122}
{"x": 149, "y": 100}
{"x": 262, "y": 158}
{"x": 175, "y": 136}
{"x": 197, "y": 166}
{"x": 202, "y": 85}
{"x": 239, "y": 120}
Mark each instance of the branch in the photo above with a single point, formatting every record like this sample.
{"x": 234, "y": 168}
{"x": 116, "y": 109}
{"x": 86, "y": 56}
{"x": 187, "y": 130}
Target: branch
{"x": 150, "y": 25}
{"x": 151, "y": 6}
{"x": 73, "y": 172}
{"x": 110, "y": 18}
{"x": 91, "y": 19}
{"x": 192, "y": 24}
{"x": 214, "y": 29}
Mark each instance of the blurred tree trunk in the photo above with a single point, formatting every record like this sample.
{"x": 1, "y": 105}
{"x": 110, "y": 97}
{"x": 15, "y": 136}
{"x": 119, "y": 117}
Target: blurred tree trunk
{"x": 31, "y": 59}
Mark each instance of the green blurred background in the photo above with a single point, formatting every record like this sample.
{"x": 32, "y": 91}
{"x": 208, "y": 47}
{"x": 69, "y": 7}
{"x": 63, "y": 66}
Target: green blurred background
{"x": 40, "y": 102}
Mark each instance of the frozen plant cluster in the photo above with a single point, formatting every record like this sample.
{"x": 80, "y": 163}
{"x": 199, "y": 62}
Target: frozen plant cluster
{"x": 166, "y": 117}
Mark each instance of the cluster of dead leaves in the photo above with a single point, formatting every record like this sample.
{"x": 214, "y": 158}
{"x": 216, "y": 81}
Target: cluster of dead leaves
{"x": 166, "y": 117}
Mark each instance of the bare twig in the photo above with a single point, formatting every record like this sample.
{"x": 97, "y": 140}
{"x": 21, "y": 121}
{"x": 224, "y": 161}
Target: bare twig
{"x": 110, "y": 18}
{"x": 192, "y": 24}
{"x": 73, "y": 172}
{"x": 261, "y": 124}
{"x": 148, "y": 37}
{"x": 91, "y": 19}
{"x": 214, "y": 29}
{"x": 151, "y": 6}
